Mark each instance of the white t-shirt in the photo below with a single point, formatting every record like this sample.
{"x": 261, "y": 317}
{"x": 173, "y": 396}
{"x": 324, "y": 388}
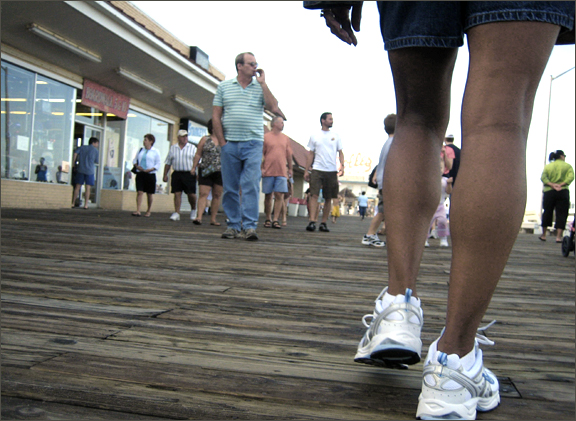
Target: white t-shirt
{"x": 382, "y": 162}
{"x": 325, "y": 146}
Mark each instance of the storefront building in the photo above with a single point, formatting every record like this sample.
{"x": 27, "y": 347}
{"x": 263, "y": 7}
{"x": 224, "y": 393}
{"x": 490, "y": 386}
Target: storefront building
{"x": 76, "y": 70}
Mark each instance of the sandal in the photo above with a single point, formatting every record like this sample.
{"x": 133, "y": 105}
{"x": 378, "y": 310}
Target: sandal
{"x": 276, "y": 225}
{"x": 196, "y": 222}
{"x": 215, "y": 223}
{"x": 136, "y": 214}
{"x": 268, "y": 224}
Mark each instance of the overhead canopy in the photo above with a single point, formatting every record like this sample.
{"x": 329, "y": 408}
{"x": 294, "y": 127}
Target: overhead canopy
{"x": 114, "y": 36}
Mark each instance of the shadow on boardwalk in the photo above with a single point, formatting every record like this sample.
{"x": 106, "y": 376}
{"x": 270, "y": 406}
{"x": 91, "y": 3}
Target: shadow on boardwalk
{"x": 106, "y": 316}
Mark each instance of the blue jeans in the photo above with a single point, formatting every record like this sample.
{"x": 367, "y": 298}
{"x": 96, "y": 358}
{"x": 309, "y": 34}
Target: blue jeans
{"x": 241, "y": 171}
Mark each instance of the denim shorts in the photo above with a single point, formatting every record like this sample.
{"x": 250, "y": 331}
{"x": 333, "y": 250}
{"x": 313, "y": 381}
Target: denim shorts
{"x": 82, "y": 179}
{"x": 274, "y": 184}
{"x": 443, "y": 23}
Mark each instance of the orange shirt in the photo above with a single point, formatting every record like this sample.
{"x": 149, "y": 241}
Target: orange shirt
{"x": 277, "y": 155}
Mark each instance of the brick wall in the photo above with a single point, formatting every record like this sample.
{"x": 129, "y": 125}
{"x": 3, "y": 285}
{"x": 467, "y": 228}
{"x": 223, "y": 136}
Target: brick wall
{"x": 126, "y": 200}
{"x": 29, "y": 195}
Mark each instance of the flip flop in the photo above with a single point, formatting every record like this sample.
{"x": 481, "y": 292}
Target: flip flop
{"x": 558, "y": 241}
{"x": 268, "y": 224}
{"x": 136, "y": 214}
{"x": 541, "y": 239}
{"x": 196, "y": 222}
{"x": 146, "y": 215}
{"x": 215, "y": 223}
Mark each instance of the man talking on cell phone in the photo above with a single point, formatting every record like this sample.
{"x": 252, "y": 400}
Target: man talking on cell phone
{"x": 237, "y": 118}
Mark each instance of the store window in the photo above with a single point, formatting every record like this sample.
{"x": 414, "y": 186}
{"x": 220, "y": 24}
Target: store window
{"x": 37, "y": 124}
{"x": 138, "y": 125}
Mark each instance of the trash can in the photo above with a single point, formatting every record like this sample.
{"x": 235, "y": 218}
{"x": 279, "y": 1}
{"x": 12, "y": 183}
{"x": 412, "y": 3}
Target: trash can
{"x": 293, "y": 206}
{"x": 303, "y": 208}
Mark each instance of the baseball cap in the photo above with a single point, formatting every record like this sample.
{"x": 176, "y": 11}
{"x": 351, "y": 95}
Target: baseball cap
{"x": 182, "y": 133}
{"x": 560, "y": 152}
{"x": 449, "y": 136}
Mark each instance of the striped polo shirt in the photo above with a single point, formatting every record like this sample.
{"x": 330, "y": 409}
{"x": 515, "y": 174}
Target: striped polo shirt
{"x": 181, "y": 159}
{"x": 242, "y": 110}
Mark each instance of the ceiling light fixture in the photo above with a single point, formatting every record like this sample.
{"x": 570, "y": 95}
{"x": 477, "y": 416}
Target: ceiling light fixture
{"x": 138, "y": 80}
{"x": 63, "y": 42}
{"x": 188, "y": 104}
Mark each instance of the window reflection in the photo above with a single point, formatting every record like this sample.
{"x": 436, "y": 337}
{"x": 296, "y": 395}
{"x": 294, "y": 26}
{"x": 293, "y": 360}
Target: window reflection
{"x": 37, "y": 115}
{"x": 139, "y": 125}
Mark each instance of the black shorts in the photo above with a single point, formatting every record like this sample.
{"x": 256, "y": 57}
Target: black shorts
{"x": 213, "y": 179}
{"x": 183, "y": 181}
{"x": 146, "y": 182}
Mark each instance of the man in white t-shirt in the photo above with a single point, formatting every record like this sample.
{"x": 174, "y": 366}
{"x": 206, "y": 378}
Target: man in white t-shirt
{"x": 322, "y": 172}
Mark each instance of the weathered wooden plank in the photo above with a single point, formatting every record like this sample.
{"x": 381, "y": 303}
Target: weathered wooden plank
{"x": 18, "y": 409}
{"x": 250, "y": 330}
{"x": 76, "y": 305}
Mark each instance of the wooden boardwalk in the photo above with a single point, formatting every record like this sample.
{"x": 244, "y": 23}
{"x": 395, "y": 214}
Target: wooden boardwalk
{"x": 106, "y": 316}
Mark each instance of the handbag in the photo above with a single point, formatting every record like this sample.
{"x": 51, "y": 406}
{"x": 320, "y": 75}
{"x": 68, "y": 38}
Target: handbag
{"x": 134, "y": 170}
{"x": 370, "y": 177}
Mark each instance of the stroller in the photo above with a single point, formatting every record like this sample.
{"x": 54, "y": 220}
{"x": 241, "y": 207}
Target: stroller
{"x": 568, "y": 242}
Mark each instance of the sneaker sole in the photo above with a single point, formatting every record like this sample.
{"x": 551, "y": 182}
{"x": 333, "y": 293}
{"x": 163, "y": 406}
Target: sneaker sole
{"x": 395, "y": 354}
{"x": 464, "y": 411}
{"x": 380, "y": 363}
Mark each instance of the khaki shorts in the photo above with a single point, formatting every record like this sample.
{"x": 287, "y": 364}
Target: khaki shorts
{"x": 325, "y": 180}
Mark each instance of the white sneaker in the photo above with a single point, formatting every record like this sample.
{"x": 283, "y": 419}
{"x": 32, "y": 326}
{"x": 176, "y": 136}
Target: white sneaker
{"x": 444, "y": 242}
{"x": 175, "y": 216}
{"x": 434, "y": 234}
{"x": 426, "y": 244}
{"x": 193, "y": 214}
{"x": 452, "y": 391}
{"x": 393, "y": 336}
{"x": 373, "y": 240}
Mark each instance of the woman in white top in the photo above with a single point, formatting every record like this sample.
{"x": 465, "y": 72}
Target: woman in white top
{"x": 147, "y": 162}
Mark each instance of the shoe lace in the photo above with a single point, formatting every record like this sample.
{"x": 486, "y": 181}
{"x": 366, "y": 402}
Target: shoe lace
{"x": 482, "y": 339}
{"x": 372, "y": 316}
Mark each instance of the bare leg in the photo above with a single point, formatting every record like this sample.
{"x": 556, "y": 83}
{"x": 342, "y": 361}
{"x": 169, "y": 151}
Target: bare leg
{"x": 278, "y": 199}
{"x": 192, "y": 201}
{"x": 86, "y": 196}
{"x": 486, "y": 213}
{"x": 268, "y": 206}
{"x": 215, "y": 205}
{"x": 204, "y": 192}
{"x": 327, "y": 210}
{"x": 313, "y": 208}
{"x": 150, "y": 198}
{"x": 559, "y": 233}
{"x": 139, "y": 201}
{"x": 77, "y": 188}
{"x": 177, "y": 201}
{"x": 423, "y": 102}
{"x": 375, "y": 223}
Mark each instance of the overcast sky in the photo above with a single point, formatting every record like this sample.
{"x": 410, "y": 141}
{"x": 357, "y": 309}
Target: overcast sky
{"x": 310, "y": 71}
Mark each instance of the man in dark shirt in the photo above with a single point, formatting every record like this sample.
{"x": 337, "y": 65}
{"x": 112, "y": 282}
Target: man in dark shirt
{"x": 87, "y": 158}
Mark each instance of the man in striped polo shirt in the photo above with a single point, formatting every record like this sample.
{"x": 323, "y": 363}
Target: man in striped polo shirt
{"x": 237, "y": 117}
{"x": 180, "y": 158}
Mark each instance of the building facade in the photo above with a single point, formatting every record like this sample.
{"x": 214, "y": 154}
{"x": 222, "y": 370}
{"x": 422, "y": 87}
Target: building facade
{"x": 76, "y": 70}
